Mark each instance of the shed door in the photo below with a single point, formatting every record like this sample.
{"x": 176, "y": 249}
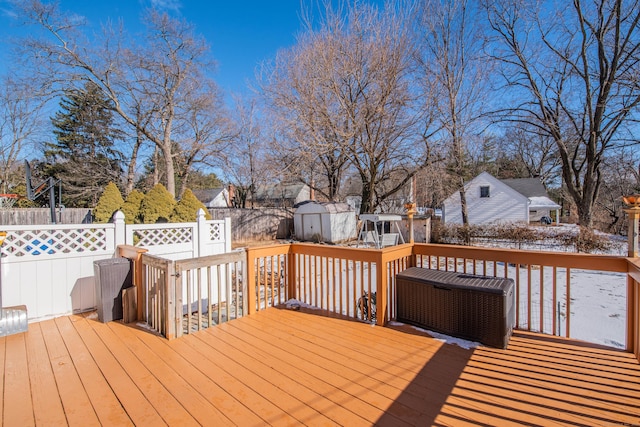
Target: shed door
{"x": 312, "y": 227}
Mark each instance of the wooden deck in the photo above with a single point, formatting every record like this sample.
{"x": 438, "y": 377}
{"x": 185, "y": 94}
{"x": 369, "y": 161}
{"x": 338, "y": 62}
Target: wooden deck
{"x": 282, "y": 367}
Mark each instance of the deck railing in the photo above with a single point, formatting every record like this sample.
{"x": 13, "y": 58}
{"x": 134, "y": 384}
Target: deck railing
{"x": 360, "y": 283}
{"x": 543, "y": 279}
{"x": 180, "y": 297}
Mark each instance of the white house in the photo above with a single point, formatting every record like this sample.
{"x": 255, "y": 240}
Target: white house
{"x": 213, "y": 197}
{"x": 492, "y": 200}
{"x": 540, "y": 205}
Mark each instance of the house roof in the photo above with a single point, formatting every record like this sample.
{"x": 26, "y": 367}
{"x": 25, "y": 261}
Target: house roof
{"x": 207, "y": 195}
{"x": 529, "y": 187}
{"x": 279, "y": 191}
{"x": 329, "y": 207}
{"x": 542, "y": 203}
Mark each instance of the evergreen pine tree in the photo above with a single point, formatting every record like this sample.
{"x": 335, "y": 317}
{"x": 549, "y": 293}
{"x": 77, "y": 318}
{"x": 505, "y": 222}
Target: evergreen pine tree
{"x": 157, "y": 205}
{"x": 83, "y": 155}
{"x": 187, "y": 208}
{"x": 131, "y": 207}
{"x": 110, "y": 201}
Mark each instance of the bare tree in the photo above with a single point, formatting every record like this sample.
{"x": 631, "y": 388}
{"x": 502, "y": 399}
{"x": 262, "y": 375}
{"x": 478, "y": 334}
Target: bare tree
{"x": 307, "y": 117}
{"x": 573, "y": 72}
{"x": 621, "y": 173}
{"x": 204, "y": 131}
{"x": 246, "y": 162}
{"x": 537, "y": 153}
{"x": 451, "y": 59}
{"x": 21, "y": 122}
{"x": 153, "y": 85}
{"x": 345, "y": 92}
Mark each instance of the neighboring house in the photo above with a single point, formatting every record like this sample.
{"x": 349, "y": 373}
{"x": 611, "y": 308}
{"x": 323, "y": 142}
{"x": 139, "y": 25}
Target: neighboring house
{"x": 213, "y": 197}
{"x": 280, "y": 195}
{"x": 492, "y": 200}
{"x": 540, "y": 205}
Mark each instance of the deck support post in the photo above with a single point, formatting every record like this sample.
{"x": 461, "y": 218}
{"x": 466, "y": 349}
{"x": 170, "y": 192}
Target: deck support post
{"x": 382, "y": 297}
{"x": 633, "y": 231}
{"x": 633, "y": 212}
{"x": 135, "y": 255}
{"x": 292, "y": 273}
{"x": 252, "y": 289}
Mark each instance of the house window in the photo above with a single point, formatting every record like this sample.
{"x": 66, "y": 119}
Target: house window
{"x": 484, "y": 191}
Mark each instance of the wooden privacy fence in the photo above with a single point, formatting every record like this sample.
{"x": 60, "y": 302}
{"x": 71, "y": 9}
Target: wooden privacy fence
{"x": 360, "y": 283}
{"x": 42, "y": 216}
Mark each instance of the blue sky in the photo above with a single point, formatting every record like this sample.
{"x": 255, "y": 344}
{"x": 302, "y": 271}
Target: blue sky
{"x": 240, "y": 33}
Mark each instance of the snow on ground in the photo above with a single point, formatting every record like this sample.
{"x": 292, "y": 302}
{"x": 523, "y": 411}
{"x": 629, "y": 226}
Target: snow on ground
{"x": 444, "y": 338}
{"x": 598, "y": 308}
{"x": 598, "y": 299}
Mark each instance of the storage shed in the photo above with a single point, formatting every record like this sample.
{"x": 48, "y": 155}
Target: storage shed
{"x": 324, "y": 222}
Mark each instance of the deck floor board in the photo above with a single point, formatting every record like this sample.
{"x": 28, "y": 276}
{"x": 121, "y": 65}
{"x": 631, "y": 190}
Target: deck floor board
{"x": 75, "y": 400}
{"x": 44, "y": 391}
{"x": 282, "y": 367}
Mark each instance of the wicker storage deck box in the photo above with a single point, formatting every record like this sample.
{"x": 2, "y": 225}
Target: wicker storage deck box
{"x": 477, "y": 308}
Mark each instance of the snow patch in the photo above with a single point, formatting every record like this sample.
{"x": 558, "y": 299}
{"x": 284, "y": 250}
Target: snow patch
{"x": 294, "y": 304}
{"x": 446, "y": 339}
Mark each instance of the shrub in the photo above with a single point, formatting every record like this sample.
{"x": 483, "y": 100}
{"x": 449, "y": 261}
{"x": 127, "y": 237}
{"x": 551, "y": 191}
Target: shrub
{"x": 187, "y": 208}
{"x": 157, "y": 205}
{"x": 587, "y": 240}
{"x": 454, "y": 234}
{"x": 517, "y": 233}
{"x": 131, "y": 207}
{"x": 109, "y": 203}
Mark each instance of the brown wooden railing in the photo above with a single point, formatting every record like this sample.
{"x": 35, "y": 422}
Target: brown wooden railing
{"x": 267, "y": 273}
{"x": 158, "y": 304}
{"x": 534, "y": 273}
{"x": 347, "y": 281}
{"x": 211, "y": 290}
{"x": 344, "y": 280}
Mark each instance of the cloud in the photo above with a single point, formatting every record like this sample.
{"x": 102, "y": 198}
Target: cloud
{"x": 173, "y": 5}
{"x": 8, "y": 13}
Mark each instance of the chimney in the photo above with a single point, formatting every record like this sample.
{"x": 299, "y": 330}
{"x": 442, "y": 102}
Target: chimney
{"x": 232, "y": 194}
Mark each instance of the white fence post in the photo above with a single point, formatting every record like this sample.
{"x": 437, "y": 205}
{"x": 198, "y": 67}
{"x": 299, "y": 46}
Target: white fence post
{"x": 227, "y": 234}
{"x": 201, "y": 234}
{"x": 120, "y": 230}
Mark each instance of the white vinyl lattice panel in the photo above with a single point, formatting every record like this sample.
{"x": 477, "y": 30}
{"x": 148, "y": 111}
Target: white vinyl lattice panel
{"x": 164, "y": 236}
{"x": 20, "y": 243}
{"x": 216, "y": 232}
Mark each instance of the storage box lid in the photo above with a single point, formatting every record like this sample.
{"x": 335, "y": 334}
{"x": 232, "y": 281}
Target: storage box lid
{"x": 454, "y": 280}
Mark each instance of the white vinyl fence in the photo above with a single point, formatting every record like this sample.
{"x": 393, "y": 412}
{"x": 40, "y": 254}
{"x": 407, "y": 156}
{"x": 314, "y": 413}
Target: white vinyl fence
{"x": 49, "y": 268}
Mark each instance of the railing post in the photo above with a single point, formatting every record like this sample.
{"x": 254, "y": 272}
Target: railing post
{"x": 251, "y": 282}
{"x": 135, "y": 254}
{"x": 633, "y": 317}
{"x": 120, "y": 229}
{"x": 201, "y": 238}
{"x": 227, "y": 234}
{"x": 382, "y": 297}
{"x": 171, "y": 319}
{"x": 292, "y": 274}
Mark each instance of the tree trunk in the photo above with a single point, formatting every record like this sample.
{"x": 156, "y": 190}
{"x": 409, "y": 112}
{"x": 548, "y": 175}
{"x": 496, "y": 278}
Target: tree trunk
{"x": 367, "y": 192}
{"x": 131, "y": 169}
{"x": 463, "y": 206}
